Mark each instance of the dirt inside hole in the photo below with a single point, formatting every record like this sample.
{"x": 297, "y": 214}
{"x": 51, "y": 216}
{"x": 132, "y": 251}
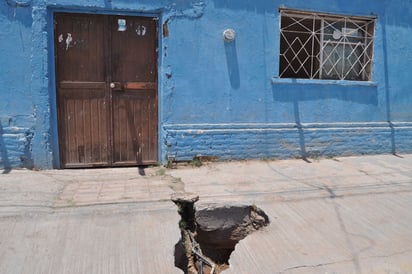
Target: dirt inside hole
{"x": 217, "y": 230}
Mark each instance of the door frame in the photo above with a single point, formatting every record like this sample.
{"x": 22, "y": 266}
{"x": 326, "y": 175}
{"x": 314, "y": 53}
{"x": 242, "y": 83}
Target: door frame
{"x": 54, "y": 131}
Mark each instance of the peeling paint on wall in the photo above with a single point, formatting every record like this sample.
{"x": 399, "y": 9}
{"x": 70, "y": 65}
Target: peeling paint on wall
{"x": 166, "y": 28}
{"x": 141, "y": 30}
{"x": 69, "y": 40}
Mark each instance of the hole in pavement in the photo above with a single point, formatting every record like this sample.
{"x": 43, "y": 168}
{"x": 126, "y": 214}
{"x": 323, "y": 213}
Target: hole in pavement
{"x": 209, "y": 234}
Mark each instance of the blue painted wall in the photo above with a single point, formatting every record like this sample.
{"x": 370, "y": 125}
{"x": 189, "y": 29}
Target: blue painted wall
{"x": 17, "y": 113}
{"x": 215, "y": 98}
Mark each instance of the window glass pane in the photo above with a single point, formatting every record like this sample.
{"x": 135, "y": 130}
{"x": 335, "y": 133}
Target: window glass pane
{"x": 343, "y": 31}
{"x": 342, "y": 62}
{"x": 332, "y": 64}
{"x": 299, "y": 46}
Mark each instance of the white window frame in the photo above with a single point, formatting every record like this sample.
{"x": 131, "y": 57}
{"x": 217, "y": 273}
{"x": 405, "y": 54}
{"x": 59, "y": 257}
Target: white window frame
{"x": 325, "y": 46}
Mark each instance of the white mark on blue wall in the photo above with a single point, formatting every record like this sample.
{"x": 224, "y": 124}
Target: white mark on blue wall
{"x": 141, "y": 30}
{"x": 69, "y": 39}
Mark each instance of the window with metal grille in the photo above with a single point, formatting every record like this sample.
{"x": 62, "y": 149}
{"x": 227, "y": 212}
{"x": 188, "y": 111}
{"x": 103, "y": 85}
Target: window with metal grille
{"x": 325, "y": 46}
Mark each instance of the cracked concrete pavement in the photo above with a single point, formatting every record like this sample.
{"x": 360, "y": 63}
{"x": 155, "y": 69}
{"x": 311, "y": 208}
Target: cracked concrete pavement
{"x": 341, "y": 215}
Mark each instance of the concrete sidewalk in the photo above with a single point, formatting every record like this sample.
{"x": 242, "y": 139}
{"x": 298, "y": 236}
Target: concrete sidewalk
{"x": 341, "y": 215}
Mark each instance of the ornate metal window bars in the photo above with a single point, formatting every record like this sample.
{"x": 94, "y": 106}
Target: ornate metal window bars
{"x": 324, "y": 46}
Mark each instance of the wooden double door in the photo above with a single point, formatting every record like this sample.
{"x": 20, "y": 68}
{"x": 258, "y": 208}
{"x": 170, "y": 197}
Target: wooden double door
{"x": 106, "y": 84}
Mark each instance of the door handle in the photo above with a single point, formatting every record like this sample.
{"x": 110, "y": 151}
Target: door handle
{"x": 116, "y": 86}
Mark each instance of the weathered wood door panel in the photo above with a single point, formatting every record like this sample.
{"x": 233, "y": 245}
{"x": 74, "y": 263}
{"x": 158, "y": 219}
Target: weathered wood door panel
{"x": 84, "y": 130}
{"x": 134, "y": 122}
{"x": 106, "y": 82}
{"x": 134, "y": 73}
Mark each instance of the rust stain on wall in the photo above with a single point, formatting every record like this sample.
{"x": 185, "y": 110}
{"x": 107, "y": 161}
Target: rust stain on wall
{"x": 166, "y": 29}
